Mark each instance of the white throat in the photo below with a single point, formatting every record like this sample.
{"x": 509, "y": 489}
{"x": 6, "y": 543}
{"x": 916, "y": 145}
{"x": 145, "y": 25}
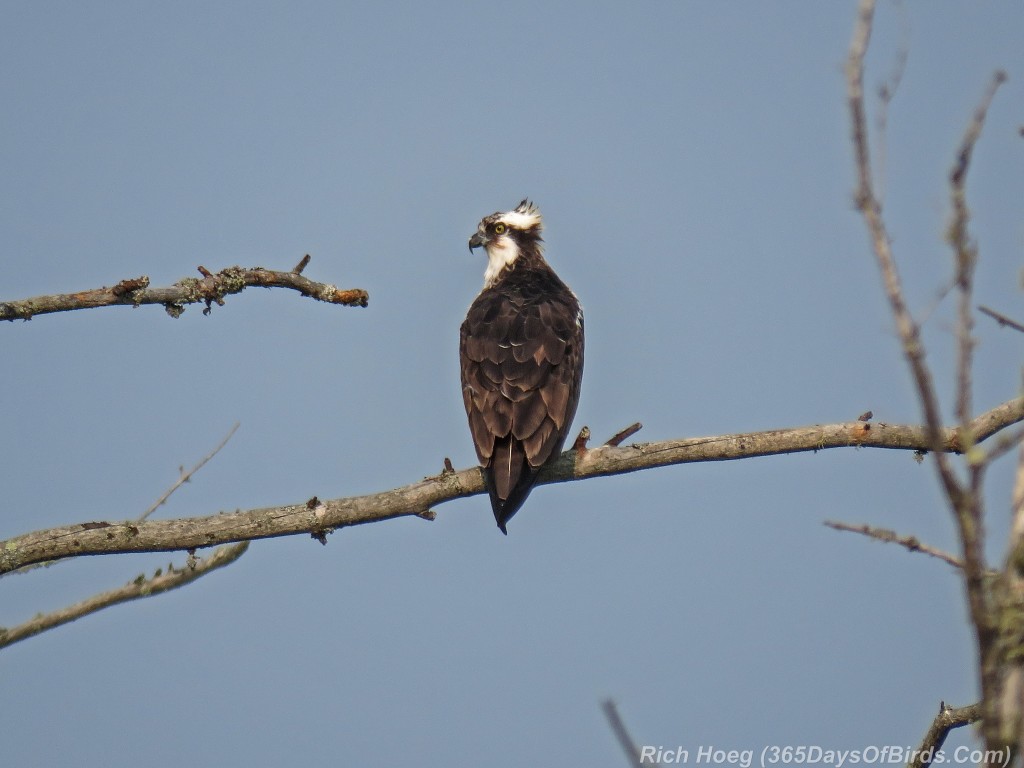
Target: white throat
{"x": 501, "y": 253}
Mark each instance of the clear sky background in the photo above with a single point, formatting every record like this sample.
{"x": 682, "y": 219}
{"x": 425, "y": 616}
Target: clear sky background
{"x": 693, "y": 164}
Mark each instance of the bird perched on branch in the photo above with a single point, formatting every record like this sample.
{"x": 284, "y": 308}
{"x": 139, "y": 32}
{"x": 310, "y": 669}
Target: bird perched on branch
{"x": 521, "y": 351}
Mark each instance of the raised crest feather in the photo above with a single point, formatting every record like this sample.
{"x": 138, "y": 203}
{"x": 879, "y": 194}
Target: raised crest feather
{"x": 524, "y": 216}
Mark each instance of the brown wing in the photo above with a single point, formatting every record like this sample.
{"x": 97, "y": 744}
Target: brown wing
{"x": 522, "y": 363}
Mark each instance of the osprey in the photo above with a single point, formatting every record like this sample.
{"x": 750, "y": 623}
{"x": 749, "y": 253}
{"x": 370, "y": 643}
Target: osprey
{"x": 521, "y": 350}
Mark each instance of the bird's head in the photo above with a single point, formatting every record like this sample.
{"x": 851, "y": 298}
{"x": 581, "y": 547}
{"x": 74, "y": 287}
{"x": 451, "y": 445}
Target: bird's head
{"x": 506, "y": 236}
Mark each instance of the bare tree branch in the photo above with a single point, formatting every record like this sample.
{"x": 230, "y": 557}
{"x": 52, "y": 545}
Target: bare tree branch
{"x": 964, "y": 498}
{"x": 182, "y": 479}
{"x": 633, "y": 754}
{"x": 1017, "y": 530}
{"x": 947, "y": 719}
{"x": 1011, "y": 700}
{"x": 317, "y": 518}
{"x": 911, "y": 543}
{"x": 210, "y": 289}
{"x": 140, "y": 587}
{"x": 966, "y": 259}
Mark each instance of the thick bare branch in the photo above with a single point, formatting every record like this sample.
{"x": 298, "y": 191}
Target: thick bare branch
{"x": 140, "y": 587}
{"x": 317, "y": 517}
{"x": 209, "y": 289}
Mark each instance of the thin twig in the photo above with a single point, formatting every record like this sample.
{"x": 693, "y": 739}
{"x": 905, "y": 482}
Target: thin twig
{"x": 184, "y": 477}
{"x": 211, "y": 289}
{"x": 140, "y": 587}
{"x": 871, "y": 210}
{"x": 966, "y": 259}
{"x": 959, "y": 172}
{"x": 633, "y": 754}
{"x": 102, "y": 537}
{"x": 1003, "y": 444}
{"x": 1002, "y": 319}
{"x": 912, "y": 543}
{"x": 886, "y": 93}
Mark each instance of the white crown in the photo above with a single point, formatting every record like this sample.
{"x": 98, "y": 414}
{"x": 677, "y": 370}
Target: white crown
{"x": 524, "y": 216}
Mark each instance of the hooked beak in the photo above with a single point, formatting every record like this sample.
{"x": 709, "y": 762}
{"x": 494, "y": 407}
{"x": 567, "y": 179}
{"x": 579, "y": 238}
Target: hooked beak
{"x": 477, "y": 240}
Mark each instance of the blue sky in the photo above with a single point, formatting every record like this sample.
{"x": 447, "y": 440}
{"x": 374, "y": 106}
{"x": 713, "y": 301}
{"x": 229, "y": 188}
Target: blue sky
{"x": 693, "y": 164}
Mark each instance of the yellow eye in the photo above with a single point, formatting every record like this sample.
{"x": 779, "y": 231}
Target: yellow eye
{"x": 499, "y": 229}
